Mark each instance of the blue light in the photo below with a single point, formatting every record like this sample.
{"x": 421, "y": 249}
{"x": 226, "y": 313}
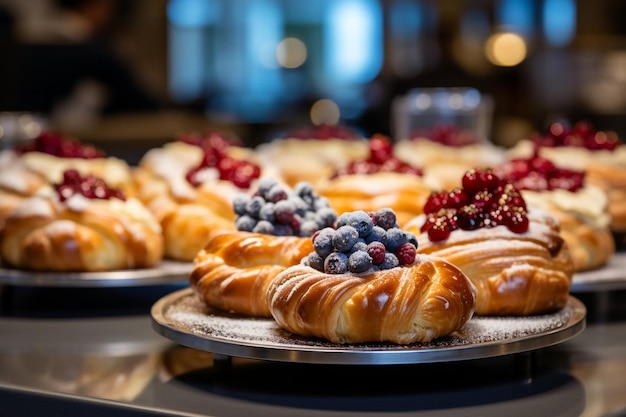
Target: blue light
{"x": 559, "y": 21}
{"x": 353, "y": 41}
{"x": 192, "y": 13}
{"x": 517, "y": 15}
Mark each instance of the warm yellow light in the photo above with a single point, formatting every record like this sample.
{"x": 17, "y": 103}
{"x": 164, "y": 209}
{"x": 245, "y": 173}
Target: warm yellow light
{"x": 325, "y": 111}
{"x": 505, "y": 49}
{"x": 291, "y": 52}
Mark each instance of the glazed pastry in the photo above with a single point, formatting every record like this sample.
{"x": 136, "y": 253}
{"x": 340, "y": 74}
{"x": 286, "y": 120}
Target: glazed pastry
{"x": 310, "y": 154}
{"x": 378, "y": 181}
{"x": 514, "y": 254}
{"x": 380, "y": 292}
{"x": 445, "y": 153}
{"x": 83, "y": 226}
{"x": 601, "y": 154}
{"x": 274, "y": 227}
{"x": 580, "y": 208}
{"x": 189, "y": 185}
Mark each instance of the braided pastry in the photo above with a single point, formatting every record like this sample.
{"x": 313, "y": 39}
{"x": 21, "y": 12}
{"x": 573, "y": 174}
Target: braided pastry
{"x": 417, "y": 303}
{"x": 81, "y": 234}
{"x": 234, "y": 269}
{"x": 514, "y": 273}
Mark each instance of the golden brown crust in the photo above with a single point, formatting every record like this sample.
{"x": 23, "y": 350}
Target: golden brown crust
{"x": 43, "y": 234}
{"x": 403, "y": 305}
{"x": 404, "y": 193}
{"x": 612, "y": 179}
{"x": 234, "y": 269}
{"x": 514, "y": 274}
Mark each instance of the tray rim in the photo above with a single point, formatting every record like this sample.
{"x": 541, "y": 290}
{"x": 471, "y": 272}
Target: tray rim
{"x": 166, "y": 272}
{"x": 386, "y": 354}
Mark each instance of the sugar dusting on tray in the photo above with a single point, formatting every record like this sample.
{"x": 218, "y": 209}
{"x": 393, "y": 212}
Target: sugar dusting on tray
{"x": 191, "y": 315}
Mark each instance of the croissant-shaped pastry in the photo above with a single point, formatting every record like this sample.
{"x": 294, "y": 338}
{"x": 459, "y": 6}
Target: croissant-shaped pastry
{"x": 80, "y": 235}
{"x": 405, "y": 304}
{"x": 235, "y": 269}
{"x": 514, "y": 273}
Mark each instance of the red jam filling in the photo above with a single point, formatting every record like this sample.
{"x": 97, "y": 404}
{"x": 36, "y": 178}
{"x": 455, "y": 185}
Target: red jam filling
{"x": 58, "y": 145}
{"x": 540, "y": 174}
{"x": 484, "y": 200}
{"x": 323, "y": 132}
{"x": 241, "y": 173}
{"x": 446, "y": 134}
{"x": 89, "y": 186}
{"x": 582, "y": 135}
{"x": 381, "y": 159}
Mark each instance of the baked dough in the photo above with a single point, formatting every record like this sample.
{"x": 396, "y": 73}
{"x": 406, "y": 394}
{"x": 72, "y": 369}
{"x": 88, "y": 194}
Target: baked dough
{"x": 514, "y": 273}
{"x": 403, "y": 305}
{"x": 80, "y": 235}
{"x": 233, "y": 271}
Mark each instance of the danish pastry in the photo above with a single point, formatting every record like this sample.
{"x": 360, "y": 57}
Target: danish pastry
{"x": 514, "y": 254}
{"x": 274, "y": 227}
{"x": 83, "y": 226}
{"x": 350, "y": 291}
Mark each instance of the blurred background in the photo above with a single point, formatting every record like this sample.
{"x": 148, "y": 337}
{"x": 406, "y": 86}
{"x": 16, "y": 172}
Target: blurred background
{"x": 138, "y": 71}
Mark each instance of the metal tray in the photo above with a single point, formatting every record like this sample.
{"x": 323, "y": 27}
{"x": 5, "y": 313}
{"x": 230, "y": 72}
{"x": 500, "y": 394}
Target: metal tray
{"x": 165, "y": 273}
{"x": 610, "y": 277}
{"x": 183, "y": 318}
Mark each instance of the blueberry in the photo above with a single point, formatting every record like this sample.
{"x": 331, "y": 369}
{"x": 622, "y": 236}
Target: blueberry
{"x": 395, "y": 238}
{"x": 391, "y": 261}
{"x": 264, "y": 186}
{"x": 254, "y": 206}
{"x": 304, "y": 189}
{"x": 308, "y": 228}
{"x": 336, "y": 263}
{"x": 282, "y": 230}
{"x": 385, "y": 218}
{"x": 265, "y": 227}
{"x": 323, "y": 243}
{"x": 267, "y": 212}
{"x": 314, "y": 260}
{"x": 343, "y": 219}
{"x": 320, "y": 203}
{"x": 345, "y": 237}
{"x": 299, "y": 205}
{"x": 326, "y": 217}
{"x": 284, "y": 211}
{"x": 239, "y": 204}
{"x": 377, "y": 234}
{"x": 359, "y": 245}
{"x": 277, "y": 193}
{"x": 359, "y": 261}
{"x": 362, "y": 222}
{"x": 245, "y": 223}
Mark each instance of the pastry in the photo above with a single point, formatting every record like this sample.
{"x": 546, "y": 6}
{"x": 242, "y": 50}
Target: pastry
{"x": 580, "y": 208}
{"x": 581, "y": 147}
{"x": 189, "y": 185}
{"x": 378, "y": 181}
{"x": 513, "y": 253}
{"x": 310, "y": 154}
{"x": 445, "y": 153}
{"x": 274, "y": 227}
{"x": 354, "y": 288}
{"x": 82, "y": 226}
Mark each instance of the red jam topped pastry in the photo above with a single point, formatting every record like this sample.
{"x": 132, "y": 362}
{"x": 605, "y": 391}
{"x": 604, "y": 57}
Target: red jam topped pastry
{"x": 55, "y": 144}
{"x": 88, "y": 186}
{"x": 540, "y": 174}
{"x": 582, "y": 134}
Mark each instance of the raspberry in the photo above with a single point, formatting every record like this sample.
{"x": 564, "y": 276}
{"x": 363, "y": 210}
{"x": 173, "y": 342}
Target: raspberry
{"x": 406, "y": 254}
{"x": 377, "y": 251}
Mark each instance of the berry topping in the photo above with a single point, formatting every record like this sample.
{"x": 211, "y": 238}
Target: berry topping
{"x": 56, "y": 144}
{"x": 89, "y": 186}
{"x": 323, "y": 132}
{"x": 540, "y": 174}
{"x": 357, "y": 244}
{"x": 276, "y": 210}
{"x": 582, "y": 134}
{"x": 241, "y": 173}
{"x": 381, "y": 159}
{"x": 447, "y": 134}
{"x": 485, "y": 200}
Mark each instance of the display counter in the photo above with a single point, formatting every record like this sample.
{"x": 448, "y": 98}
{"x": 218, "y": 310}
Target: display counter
{"x": 94, "y": 351}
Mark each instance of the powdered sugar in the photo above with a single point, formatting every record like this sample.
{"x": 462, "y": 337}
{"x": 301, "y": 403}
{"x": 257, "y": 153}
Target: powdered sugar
{"x": 190, "y": 315}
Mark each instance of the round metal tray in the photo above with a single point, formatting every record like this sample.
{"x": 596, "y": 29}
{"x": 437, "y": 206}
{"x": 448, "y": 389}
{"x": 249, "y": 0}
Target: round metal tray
{"x": 165, "y": 273}
{"x": 183, "y": 318}
{"x": 610, "y": 277}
